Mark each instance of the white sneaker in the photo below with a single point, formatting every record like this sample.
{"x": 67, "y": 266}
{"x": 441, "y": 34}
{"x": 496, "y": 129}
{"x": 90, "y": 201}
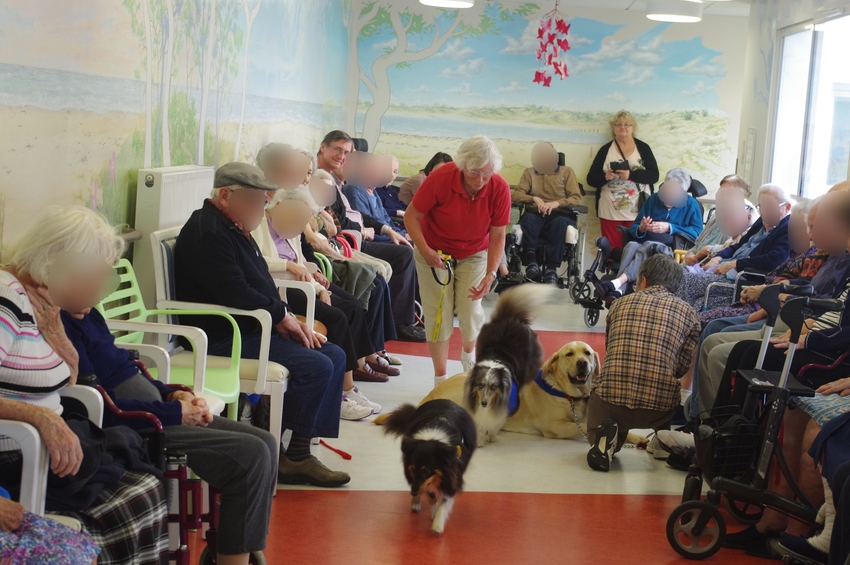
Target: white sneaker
{"x": 358, "y": 397}
{"x": 467, "y": 360}
{"x": 677, "y": 442}
{"x": 351, "y": 410}
{"x": 654, "y": 448}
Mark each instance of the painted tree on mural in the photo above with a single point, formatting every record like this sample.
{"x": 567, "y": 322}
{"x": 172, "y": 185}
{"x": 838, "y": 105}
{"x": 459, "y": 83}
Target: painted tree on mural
{"x": 141, "y": 29}
{"x": 369, "y": 18}
{"x": 226, "y": 52}
{"x": 250, "y": 16}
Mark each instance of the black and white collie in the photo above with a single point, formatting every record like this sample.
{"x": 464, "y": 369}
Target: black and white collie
{"x": 438, "y": 440}
{"x": 509, "y": 357}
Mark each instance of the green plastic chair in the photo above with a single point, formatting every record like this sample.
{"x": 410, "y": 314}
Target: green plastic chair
{"x": 325, "y": 266}
{"x": 125, "y": 312}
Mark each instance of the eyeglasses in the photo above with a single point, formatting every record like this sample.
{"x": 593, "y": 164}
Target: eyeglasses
{"x": 481, "y": 174}
{"x": 623, "y": 125}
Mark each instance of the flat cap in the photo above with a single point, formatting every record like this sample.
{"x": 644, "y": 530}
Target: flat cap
{"x": 242, "y": 174}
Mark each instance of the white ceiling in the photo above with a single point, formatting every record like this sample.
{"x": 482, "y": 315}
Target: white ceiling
{"x": 733, "y": 8}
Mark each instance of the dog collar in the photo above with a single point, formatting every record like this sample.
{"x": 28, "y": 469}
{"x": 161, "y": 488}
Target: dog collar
{"x": 549, "y": 389}
{"x": 513, "y": 399}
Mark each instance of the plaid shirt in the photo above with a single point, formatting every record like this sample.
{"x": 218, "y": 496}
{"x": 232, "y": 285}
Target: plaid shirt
{"x": 650, "y": 337}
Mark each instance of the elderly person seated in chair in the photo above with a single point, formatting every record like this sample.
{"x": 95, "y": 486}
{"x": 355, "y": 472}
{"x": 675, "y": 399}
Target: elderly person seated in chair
{"x": 762, "y": 249}
{"x": 217, "y": 261}
{"x": 378, "y": 170}
{"x": 669, "y": 213}
{"x": 236, "y": 458}
{"x": 368, "y": 297}
{"x": 547, "y": 190}
{"x": 334, "y": 152}
{"x": 64, "y": 259}
{"x": 712, "y": 239}
{"x": 341, "y": 313}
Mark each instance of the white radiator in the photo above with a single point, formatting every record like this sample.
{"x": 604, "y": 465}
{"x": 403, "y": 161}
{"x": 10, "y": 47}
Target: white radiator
{"x": 165, "y": 198}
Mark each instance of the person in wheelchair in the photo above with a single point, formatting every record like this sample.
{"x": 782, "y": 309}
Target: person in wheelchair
{"x": 101, "y": 477}
{"x": 666, "y": 215}
{"x": 234, "y": 457}
{"x": 547, "y": 190}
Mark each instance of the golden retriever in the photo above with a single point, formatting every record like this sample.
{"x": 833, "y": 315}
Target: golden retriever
{"x": 568, "y": 375}
{"x": 570, "y": 371}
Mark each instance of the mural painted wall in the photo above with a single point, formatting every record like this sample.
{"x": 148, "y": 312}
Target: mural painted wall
{"x": 92, "y": 91}
{"x": 425, "y": 79}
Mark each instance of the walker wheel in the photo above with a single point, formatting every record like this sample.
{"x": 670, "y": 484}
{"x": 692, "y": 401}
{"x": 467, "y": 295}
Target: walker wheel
{"x": 744, "y": 512}
{"x": 686, "y": 539}
{"x": 256, "y": 558}
{"x": 591, "y": 317}
{"x": 693, "y": 488}
{"x": 577, "y": 292}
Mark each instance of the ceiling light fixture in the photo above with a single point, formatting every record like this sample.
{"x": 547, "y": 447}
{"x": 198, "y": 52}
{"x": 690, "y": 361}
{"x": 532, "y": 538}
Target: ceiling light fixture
{"x": 677, "y": 11}
{"x": 449, "y": 3}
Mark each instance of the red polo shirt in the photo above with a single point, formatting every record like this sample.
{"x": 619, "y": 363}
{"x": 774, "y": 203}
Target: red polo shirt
{"x": 453, "y": 222}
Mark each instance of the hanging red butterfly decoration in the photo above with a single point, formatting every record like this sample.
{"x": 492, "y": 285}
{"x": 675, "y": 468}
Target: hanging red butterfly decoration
{"x": 552, "y": 33}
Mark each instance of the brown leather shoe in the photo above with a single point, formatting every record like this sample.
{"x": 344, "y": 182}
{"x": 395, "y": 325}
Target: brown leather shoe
{"x": 367, "y": 375}
{"x": 311, "y": 471}
{"x": 383, "y": 368}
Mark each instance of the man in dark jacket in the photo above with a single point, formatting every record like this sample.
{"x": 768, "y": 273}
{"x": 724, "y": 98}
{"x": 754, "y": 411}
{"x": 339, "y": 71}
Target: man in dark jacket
{"x": 217, "y": 261}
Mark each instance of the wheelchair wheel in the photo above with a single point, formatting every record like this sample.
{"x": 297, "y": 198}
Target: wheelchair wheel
{"x": 689, "y": 542}
{"x": 744, "y": 512}
{"x": 591, "y": 317}
{"x": 256, "y": 558}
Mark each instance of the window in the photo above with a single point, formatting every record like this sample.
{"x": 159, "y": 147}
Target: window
{"x": 811, "y": 141}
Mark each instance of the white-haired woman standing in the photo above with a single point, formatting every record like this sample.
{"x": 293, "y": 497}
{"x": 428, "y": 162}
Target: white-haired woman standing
{"x": 459, "y": 215}
{"x": 65, "y": 261}
{"x": 764, "y": 247}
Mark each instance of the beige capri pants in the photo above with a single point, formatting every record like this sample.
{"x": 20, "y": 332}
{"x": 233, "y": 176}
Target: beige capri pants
{"x": 470, "y": 314}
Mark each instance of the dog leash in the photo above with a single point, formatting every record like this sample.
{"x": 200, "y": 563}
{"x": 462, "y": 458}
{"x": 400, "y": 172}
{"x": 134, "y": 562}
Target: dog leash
{"x": 449, "y": 264}
{"x": 575, "y": 419}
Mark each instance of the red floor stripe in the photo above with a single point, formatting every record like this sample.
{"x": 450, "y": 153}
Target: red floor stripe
{"x": 377, "y": 528}
{"x": 551, "y": 341}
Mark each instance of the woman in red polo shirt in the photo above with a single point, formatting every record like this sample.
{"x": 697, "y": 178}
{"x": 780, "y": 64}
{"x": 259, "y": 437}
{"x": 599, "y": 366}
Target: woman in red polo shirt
{"x": 460, "y": 211}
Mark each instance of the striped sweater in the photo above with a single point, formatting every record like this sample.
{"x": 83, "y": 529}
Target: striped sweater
{"x": 30, "y": 371}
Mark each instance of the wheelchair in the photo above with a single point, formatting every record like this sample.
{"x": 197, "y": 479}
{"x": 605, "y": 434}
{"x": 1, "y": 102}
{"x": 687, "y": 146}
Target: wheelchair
{"x": 572, "y": 262}
{"x": 186, "y": 495}
{"x": 736, "y": 445}
{"x": 607, "y": 263}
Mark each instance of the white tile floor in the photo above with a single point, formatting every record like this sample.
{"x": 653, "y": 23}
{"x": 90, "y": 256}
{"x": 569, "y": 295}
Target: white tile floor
{"x": 514, "y": 463}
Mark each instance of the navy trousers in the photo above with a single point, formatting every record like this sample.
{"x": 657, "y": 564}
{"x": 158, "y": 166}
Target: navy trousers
{"x": 552, "y": 227}
{"x": 313, "y": 399}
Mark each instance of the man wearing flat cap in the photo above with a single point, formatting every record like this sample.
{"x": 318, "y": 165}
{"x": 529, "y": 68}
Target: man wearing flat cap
{"x": 217, "y": 261}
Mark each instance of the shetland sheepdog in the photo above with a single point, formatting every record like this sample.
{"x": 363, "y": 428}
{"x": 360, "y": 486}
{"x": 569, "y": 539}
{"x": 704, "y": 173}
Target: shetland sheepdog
{"x": 437, "y": 442}
{"x": 509, "y": 355}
